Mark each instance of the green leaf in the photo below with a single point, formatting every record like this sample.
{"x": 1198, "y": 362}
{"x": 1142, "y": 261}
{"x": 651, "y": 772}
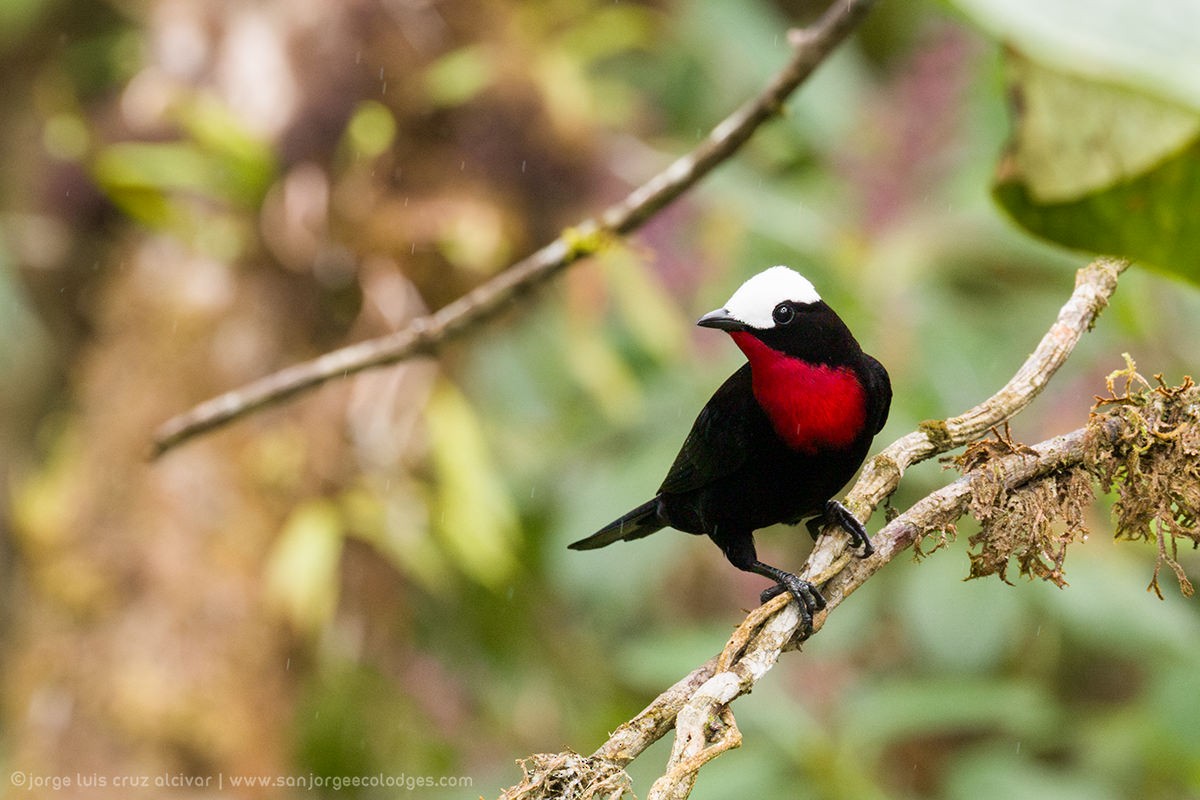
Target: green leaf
{"x": 1151, "y": 218}
{"x": 600, "y": 371}
{"x": 159, "y": 183}
{"x": 649, "y": 312}
{"x": 1154, "y": 47}
{"x": 1107, "y": 124}
{"x": 157, "y": 167}
{"x": 394, "y": 519}
{"x": 17, "y": 17}
{"x": 1074, "y": 135}
{"x": 607, "y": 31}
{"x": 1103, "y": 168}
{"x": 247, "y": 165}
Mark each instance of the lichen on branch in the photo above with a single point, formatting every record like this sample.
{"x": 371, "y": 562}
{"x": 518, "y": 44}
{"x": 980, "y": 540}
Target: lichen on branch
{"x": 1034, "y": 524}
{"x": 1154, "y": 467}
{"x": 569, "y": 776}
{"x": 1142, "y": 441}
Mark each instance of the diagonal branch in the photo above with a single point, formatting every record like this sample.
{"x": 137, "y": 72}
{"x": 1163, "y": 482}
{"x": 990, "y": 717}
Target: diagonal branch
{"x": 425, "y": 335}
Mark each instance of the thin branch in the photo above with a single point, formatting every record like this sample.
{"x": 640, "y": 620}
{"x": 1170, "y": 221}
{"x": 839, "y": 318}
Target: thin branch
{"x": 425, "y": 335}
{"x": 770, "y": 629}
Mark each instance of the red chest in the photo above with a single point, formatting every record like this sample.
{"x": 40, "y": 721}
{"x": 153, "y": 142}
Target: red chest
{"x": 811, "y": 406}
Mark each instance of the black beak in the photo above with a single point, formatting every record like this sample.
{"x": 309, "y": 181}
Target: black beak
{"x": 720, "y": 320}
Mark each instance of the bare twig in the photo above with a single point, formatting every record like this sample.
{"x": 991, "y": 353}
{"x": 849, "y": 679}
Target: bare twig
{"x": 425, "y": 335}
{"x": 698, "y": 705}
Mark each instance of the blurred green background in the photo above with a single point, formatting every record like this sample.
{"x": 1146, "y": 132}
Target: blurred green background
{"x": 373, "y": 580}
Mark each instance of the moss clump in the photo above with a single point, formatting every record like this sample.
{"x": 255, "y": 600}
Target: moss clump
{"x": 1033, "y": 523}
{"x": 1154, "y": 466}
{"x": 569, "y": 776}
{"x": 1142, "y": 442}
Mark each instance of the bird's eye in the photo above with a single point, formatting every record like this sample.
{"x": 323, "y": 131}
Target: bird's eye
{"x": 783, "y": 314}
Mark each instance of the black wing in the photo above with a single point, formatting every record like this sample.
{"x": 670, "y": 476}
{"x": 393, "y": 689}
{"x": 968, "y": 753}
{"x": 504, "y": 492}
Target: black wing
{"x": 717, "y": 443}
{"x": 879, "y": 390}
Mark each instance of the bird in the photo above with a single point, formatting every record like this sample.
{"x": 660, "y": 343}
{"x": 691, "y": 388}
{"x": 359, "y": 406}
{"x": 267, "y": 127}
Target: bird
{"x": 778, "y": 440}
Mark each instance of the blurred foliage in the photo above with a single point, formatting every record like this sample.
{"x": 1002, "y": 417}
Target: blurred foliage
{"x": 195, "y": 194}
{"x": 300, "y": 577}
{"x": 190, "y": 186}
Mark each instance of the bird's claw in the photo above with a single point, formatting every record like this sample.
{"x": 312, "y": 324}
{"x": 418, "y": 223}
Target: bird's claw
{"x": 837, "y": 514}
{"x": 806, "y": 595}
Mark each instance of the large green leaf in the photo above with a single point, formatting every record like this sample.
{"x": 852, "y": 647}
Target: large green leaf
{"x": 1106, "y": 124}
{"x": 1103, "y": 168}
{"x": 1075, "y": 136}
{"x": 1151, "y": 218}
{"x": 1154, "y": 47}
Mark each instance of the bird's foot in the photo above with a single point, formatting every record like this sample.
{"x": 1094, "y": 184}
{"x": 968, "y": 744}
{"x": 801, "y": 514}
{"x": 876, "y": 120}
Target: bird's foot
{"x": 837, "y": 514}
{"x": 806, "y": 595}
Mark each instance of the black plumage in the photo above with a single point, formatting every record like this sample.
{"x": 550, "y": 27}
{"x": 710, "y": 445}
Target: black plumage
{"x": 740, "y": 469}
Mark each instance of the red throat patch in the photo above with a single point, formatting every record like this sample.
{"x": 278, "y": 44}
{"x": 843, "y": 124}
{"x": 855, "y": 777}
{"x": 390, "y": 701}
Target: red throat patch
{"x": 811, "y": 406}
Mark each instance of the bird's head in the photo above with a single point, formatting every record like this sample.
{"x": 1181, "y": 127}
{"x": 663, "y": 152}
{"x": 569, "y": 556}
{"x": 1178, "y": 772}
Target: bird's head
{"x": 779, "y": 308}
{"x": 769, "y": 300}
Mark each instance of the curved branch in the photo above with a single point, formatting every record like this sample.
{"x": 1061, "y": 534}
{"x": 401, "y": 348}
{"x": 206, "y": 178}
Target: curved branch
{"x": 425, "y": 335}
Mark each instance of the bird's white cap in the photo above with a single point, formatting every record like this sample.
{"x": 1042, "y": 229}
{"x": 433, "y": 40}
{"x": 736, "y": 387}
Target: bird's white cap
{"x": 755, "y": 300}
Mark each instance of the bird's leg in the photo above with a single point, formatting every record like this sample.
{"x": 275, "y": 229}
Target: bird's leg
{"x": 836, "y": 513}
{"x": 741, "y": 553}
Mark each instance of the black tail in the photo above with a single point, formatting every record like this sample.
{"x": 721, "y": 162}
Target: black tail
{"x": 642, "y": 521}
